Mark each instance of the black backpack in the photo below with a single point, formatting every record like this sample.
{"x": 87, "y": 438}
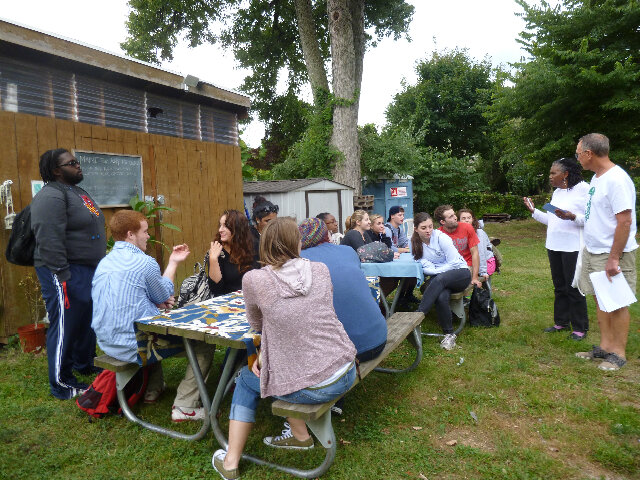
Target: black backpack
{"x": 483, "y": 311}
{"x": 22, "y": 241}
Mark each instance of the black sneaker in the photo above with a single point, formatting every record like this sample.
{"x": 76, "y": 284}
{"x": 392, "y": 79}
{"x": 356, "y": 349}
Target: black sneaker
{"x": 577, "y": 337}
{"x": 554, "y": 329}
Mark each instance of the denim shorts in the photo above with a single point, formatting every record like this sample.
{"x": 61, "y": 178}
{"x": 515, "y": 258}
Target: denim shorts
{"x": 247, "y": 394}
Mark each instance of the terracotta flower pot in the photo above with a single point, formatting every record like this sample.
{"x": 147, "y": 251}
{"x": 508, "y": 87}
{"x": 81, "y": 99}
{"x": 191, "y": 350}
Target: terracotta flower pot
{"x": 32, "y": 337}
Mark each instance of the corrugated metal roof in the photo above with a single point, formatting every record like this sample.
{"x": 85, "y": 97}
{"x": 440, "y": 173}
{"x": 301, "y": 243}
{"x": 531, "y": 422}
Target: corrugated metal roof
{"x": 280, "y": 186}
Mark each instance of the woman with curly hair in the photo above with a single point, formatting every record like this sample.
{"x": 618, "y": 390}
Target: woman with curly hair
{"x": 231, "y": 255}
{"x": 563, "y": 243}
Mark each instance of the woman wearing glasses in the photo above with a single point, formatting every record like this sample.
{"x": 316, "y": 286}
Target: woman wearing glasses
{"x": 563, "y": 243}
{"x": 263, "y": 212}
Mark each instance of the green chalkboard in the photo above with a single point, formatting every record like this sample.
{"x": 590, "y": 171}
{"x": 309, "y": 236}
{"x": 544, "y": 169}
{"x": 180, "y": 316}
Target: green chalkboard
{"x": 111, "y": 179}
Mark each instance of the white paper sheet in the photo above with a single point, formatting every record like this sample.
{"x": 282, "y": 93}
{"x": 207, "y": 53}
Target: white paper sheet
{"x": 611, "y": 295}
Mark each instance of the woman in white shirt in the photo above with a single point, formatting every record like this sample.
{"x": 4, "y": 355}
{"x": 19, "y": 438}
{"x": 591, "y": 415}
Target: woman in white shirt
{"x": 448, "y": 270}
{"x": 563, "y": 244}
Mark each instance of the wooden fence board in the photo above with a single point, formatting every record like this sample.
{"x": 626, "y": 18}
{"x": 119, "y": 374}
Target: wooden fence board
{"x": 65, "y": 134}
{"x": 28, "y": 157}
{"x": 10, "y": 275}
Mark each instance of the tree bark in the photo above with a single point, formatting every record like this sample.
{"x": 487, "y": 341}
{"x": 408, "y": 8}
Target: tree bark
{"x": 311, "y": 49}
{"x": 346, "y": 30}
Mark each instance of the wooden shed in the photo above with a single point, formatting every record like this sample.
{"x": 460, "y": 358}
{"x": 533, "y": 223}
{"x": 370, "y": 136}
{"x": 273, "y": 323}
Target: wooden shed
{"x": 176, "y": 135}
{"x": 304, "y": 198}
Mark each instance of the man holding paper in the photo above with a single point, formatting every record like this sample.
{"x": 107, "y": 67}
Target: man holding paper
{"x": 609, "y": 236}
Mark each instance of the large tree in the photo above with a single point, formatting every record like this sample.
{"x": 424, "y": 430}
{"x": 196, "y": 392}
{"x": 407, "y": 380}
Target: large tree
{"x": 276, "y": 37}
{"x": 583, "y": 76}
{"x": 445, "y": 108}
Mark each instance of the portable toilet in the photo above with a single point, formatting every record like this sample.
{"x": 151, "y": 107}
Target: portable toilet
{"x": 388, "y": 192}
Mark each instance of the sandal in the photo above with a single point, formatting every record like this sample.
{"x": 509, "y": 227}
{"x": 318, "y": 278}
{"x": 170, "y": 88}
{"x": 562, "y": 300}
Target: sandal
{"x": 596, "y": 352}
{"x": 612, "y": 362}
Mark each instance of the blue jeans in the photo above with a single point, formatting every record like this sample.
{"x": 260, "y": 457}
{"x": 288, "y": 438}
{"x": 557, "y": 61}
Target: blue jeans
{"x": 247, "y": 394}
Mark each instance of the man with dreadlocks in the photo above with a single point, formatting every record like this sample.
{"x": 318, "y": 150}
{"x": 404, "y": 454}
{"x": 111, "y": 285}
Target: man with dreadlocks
{"x": 70, "y": 241}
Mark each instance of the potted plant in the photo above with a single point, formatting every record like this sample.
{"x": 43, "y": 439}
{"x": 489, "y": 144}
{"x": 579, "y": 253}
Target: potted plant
{"x": 32, "y": 336}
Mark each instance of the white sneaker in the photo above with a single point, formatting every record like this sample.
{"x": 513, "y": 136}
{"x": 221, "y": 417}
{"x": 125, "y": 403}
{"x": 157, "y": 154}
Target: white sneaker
{"x": 449, "y": 341}
{"x": 186, "y": 414}
{"x": 151, "y": 396}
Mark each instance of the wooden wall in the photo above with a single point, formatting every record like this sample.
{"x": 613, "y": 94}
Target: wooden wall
{"x": 198, "y": 179}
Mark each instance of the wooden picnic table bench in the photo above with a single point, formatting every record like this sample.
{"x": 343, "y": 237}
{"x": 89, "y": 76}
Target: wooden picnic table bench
{"x": 124, "y": 373}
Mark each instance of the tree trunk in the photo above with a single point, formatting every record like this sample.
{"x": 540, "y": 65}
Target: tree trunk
{"x": 311, "y": 49}
{"x": 345, "y": 27}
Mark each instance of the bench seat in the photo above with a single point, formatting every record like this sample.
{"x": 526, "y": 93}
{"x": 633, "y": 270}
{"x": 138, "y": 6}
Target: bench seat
{"x": 109, "y": 363}
{"x": 399, "y": 327}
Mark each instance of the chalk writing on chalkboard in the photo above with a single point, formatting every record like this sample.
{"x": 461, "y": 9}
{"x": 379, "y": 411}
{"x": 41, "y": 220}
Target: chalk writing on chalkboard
{"x": 112, "y": 179}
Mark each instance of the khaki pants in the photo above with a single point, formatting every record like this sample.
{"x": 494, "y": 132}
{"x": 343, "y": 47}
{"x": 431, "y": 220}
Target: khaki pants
{"x": 188, "y": 395}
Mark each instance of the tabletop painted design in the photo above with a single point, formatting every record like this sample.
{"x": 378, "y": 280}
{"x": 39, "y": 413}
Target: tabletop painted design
{"x": 222, "y": 317}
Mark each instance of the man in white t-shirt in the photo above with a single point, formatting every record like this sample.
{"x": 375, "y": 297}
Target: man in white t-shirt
{"x": 609, "y": 237}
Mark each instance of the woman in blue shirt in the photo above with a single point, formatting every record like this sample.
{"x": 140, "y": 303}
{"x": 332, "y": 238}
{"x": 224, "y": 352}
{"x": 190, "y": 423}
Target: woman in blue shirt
{"x": 448, "y": 270}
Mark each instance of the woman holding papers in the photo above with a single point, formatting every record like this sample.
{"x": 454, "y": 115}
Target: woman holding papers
{"x": 563, "y": 244}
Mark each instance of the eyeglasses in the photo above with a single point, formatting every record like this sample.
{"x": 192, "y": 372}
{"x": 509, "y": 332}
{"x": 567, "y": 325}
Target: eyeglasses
{"x": 266, "y": 209}
{"x": 72, "y": 163}
{"x": 580, "y": 153}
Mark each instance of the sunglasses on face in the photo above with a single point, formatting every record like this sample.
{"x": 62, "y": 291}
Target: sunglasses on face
{"x": 72, "y": 163}
{"x": 267, "y": 209}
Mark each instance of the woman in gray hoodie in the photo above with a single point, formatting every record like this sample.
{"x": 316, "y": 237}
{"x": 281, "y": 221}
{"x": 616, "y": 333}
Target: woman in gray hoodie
{"x": 306, "y": 355}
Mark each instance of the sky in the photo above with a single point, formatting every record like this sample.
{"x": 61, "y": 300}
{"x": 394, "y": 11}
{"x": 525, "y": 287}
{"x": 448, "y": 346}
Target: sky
{"x": 486, "y": 28}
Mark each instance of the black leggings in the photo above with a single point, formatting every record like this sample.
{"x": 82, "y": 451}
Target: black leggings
{"x": 439, "y": 291}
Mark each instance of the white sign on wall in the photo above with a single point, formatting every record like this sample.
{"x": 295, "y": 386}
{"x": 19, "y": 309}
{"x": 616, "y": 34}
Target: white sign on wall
{"x": 398, "y": 192}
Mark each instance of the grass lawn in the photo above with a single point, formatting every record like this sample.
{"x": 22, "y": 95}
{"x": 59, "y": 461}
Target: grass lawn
{"x": 541, "y": 412}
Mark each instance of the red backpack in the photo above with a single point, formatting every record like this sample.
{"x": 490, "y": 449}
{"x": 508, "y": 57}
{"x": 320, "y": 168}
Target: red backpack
{"x": 101, "y": 396}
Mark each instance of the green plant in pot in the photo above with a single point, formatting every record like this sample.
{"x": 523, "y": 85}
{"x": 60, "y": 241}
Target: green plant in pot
{"x": 32, "y": 336}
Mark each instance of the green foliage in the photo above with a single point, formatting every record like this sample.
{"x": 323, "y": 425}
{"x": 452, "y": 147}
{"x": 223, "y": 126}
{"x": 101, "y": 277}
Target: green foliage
{"x": 311, "y": 156}
{"x": 584, "y": 76}
{"x": 288, "y": 122}
{"x": 444, "y": 110}
{"x": 262, "y": 34}
{"x": 440, "y": 176}
{"x": 150, "y": 210}
{"x": 392, "y": 152}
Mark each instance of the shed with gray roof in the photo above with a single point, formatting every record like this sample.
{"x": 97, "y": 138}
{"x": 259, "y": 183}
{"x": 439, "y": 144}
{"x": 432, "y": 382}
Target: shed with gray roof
{"x": 303, "y": 198}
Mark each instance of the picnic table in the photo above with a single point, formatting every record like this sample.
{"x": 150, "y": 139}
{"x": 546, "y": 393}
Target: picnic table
{"x": 222, "y": 321}
{"x": 403, "y": 267}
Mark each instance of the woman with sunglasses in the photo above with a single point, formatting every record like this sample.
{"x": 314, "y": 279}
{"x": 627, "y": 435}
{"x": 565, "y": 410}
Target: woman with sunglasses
{"x": 263, "y": 212}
